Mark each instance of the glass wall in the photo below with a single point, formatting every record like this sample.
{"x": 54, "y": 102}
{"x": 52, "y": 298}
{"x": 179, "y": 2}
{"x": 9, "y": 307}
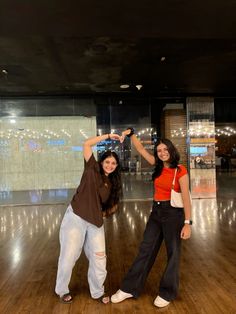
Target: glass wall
{"x": 41, "y": 141}
{"x": 225, "y": 124}
{"x": 42, "y": 152}
{"x": 41, "y": 144}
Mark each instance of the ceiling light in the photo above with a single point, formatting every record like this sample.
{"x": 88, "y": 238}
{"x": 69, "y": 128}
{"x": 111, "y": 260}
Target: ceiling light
{"x": 139, "y": 86}
{"x": 163, "y": 59}
{"x": 124, "y": 86}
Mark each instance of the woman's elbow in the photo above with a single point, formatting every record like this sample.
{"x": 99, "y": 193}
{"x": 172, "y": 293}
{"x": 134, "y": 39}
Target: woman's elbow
{"x": 86, "y": 143}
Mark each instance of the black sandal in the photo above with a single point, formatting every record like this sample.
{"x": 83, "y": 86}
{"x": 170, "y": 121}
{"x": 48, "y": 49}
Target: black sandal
{"x": 66, "y": 298}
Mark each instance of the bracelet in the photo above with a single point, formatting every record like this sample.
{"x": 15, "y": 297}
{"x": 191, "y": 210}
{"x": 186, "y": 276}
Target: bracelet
{"x": 108, "y": 136}
{"x": 131, "y": 132}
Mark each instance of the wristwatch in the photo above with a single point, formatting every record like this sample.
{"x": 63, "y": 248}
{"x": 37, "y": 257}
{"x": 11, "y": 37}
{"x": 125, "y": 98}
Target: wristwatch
{"x": 188, "y": 221}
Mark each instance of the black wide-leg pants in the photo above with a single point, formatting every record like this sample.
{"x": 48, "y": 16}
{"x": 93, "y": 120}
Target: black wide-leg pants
{"x": 165, "y": 223}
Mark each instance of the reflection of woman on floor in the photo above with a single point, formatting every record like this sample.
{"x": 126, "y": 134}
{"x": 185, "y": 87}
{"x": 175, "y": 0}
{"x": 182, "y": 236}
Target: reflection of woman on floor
{"x": 82, "y": 226}
{"x": 165, "y": 223}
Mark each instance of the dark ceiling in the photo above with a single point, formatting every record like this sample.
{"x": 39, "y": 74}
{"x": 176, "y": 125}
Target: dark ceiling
{"x": 170, "y": 47}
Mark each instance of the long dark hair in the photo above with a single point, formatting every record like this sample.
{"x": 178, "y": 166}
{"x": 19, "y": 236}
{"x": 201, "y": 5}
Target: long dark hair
{"x": 111, "y": 205}
{"x": 174, "y": 157}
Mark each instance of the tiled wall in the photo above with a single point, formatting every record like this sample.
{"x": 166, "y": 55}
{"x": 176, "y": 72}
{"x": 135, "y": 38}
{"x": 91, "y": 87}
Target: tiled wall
{"x": 42, "y": 152}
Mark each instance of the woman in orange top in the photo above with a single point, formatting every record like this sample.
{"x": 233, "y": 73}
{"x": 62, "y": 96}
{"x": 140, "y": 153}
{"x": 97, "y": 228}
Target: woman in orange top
{"x": 165, "y": 223}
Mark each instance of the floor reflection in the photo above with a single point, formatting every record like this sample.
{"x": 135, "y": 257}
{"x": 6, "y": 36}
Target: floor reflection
{"x": 35, "y": 220}
{"x": 210, "y": 214}
{"x": 30, "y": 248}
{"x": 58, "y": 196}
{"x": 203, "y": 183}
{"x": 20, "y": 223}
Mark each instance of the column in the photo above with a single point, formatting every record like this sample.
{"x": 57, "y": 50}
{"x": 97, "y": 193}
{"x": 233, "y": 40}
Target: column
{"x": 201, "y": 146}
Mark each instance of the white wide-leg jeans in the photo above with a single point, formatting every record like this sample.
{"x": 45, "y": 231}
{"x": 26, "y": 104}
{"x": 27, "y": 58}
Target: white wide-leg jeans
{"x": 76, "y": 233}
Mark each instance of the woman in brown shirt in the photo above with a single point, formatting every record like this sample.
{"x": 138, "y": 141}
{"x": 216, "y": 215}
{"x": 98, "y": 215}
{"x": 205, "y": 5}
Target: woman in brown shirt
{"x": 82, "y": 226}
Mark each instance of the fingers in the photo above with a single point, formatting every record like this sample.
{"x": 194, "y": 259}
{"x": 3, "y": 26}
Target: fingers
{"x": 121, "y": 137}
{"x": 126, "y": 132}
{"x": 184, "y": 236}
{"x": 117, "y": 137}
{"x": 185, "y": 232}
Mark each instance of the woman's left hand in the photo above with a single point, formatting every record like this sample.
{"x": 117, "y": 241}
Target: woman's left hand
{"x": 124, "y": 133}
{"x": 185, "y": 232}
{"x": 116, "y": 137}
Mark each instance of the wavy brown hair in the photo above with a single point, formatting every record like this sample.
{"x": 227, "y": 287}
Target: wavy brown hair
{"x": 174, "y": 157}
{"x": 111, "y": 205}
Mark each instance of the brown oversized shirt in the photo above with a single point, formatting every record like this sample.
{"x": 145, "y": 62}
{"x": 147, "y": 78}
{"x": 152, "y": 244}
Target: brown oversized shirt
{"x": 94, "y": 189}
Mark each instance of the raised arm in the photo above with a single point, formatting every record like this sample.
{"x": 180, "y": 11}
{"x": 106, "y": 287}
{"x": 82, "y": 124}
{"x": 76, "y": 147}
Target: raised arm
{"x": 139, "y": 147}
{"x": 94, "y": 140}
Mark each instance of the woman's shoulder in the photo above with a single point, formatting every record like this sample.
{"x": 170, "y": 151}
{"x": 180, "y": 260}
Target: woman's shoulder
{"x": 182, "y": 169}
{"x": 91, "y": 163}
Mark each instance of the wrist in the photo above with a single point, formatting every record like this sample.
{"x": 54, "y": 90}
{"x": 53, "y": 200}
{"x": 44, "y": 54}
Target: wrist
{"x": 188, "y": 222}
{"x": 131, "y": 132}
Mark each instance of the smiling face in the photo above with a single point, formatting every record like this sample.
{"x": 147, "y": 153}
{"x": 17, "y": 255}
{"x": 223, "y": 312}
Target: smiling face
{"x": 109, "y": 165}
{"x": 163, "y": 153}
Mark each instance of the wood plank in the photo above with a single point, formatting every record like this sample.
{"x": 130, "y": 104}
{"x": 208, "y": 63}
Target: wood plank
{"x": 29, "y": 252}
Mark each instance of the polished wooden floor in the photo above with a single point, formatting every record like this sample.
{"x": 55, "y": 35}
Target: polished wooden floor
{"x": 29, "y": 252}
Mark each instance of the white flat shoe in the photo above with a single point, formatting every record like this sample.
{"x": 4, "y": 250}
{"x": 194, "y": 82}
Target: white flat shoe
{"x": 120, "y": 296}
{"x": 159, "y": 302}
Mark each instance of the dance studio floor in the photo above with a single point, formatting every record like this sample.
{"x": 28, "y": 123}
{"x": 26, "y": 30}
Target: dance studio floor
{"x": 30, "y": 248}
